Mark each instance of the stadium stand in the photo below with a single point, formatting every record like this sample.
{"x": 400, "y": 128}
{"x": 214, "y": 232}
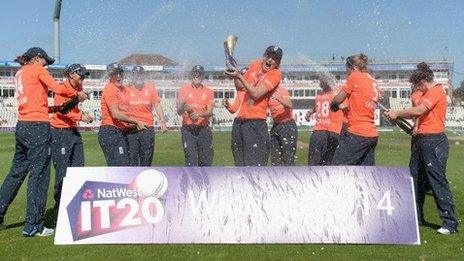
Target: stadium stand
{"x": 300, "y": 80}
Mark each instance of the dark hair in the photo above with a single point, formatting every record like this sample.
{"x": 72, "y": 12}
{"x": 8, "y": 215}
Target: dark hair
{"x": 197, "y": 70}
{"x": 33, "y": 52}
{"x": 22, "y": 59}
{"x": 423, "y": 72}
{"x": 275, "y": 50}
{"x": 358, "y": 61}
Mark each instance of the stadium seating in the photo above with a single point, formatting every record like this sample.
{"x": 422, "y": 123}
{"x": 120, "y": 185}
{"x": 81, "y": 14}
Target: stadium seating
{"x": 8, "y": 116}
{"x": 221, "y": 118}
{"x": 399, "y": 103}
{"x": 455, "y": 116}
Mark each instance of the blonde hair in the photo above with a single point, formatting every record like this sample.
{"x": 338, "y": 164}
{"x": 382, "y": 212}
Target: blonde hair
{"x": 326, "y": 80}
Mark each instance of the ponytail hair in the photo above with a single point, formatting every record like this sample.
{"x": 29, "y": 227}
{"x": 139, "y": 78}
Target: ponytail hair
{"x": 358, "y": 61}
{"x": 423, "y": 72}
{"x": 22, "y": 59}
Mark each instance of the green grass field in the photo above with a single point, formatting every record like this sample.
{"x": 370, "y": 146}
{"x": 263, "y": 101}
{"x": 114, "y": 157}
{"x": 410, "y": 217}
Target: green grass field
{"x": 393, "y": 150}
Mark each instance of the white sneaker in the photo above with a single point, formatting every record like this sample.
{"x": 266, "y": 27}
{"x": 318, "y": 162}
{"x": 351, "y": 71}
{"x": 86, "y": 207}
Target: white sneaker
{"x": 45, "y": 232}
{"x": 443, "y": 231}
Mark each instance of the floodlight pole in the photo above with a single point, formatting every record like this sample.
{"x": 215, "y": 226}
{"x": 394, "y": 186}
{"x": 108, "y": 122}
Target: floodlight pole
{"x": 56, "y": 30}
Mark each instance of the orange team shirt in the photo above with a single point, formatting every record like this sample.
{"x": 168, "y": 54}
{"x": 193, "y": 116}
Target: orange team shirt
{"x": 363, "y": 94}
{"x": 32, "y": 83}
{"x": 347, "y": 108}
{"x": 70, "y": 119}
{"x": 113, "y": 95}
{"x": 198, "y": 99}
{"x": 415, "y": 97}
{"x": 326, "y": 119}
{"x": 345, "y": 114}
{"x": 433, "y": 122}
{"x": 257, "y": 109}
{"x": 235, "y": 105}
{"x": 279, "y": 112}
{"x": 141, "y": 103}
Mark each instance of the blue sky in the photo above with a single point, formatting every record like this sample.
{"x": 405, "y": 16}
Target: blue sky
{"x": 103, "y": 31}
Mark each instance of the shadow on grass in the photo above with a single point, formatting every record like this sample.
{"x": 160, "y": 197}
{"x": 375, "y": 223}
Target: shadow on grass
{"x": 50, "y": 218}
{"x": 49, "y": 221}
{"x": 431, "y": 225}
{"x": 17, "y": 224}
{"x": 429, "y": 196}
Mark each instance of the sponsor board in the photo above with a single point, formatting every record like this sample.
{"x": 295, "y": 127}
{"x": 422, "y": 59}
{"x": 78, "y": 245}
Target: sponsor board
{"x": 337, "y": 205}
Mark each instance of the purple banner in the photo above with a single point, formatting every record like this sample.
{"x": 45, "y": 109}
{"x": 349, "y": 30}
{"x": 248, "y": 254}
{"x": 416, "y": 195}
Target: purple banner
{"x": 110, "y": 205}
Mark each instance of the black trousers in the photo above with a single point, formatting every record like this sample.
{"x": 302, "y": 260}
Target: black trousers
{"x": 115, "y": 146}
{"x": 322, "y": 146}
{"x": 250, "y": 142}
{"x": 355, "y": 150}
{"x": 67, "y": 151}
{"x": 414, "y": 161}
{"x": 32, "y": 156}
{"x": 284, "y": 137}
{"x": 141, "y": 147}
{"x": 428, "y": 165}
{"x": 198, "y": 145}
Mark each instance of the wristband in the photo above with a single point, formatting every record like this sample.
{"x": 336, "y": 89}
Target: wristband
{"x": 334, "y": 106}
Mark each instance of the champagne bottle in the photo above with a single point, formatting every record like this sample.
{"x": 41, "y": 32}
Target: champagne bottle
{"x": 400, "y": 122}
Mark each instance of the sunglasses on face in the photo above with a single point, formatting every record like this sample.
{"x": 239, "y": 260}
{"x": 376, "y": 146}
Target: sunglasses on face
{"x": 116, "y": 75}
{"x": 74, "y": 75}
{"x": 350, "y": 61}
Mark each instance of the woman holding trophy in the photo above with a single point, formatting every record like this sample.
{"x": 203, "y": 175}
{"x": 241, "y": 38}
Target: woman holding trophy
{"x": 261, "y": 79}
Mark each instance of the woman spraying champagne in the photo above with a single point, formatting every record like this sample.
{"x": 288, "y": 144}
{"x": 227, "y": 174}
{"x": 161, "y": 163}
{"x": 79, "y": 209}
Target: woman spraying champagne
{"x": 432, "y": 150}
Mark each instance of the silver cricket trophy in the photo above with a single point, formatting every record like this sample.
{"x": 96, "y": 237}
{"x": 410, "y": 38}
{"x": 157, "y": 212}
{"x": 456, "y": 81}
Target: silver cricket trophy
{"x": 229, "y": 47}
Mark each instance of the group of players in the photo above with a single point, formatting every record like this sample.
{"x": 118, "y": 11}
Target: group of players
{"x": 344, "y": 134}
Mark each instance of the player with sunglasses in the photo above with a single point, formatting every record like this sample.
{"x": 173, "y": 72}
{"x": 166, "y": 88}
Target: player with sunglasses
{"x": 67, "y": 146}
{"x": 195, "y": 104}
{"x": 115, "y": 123}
